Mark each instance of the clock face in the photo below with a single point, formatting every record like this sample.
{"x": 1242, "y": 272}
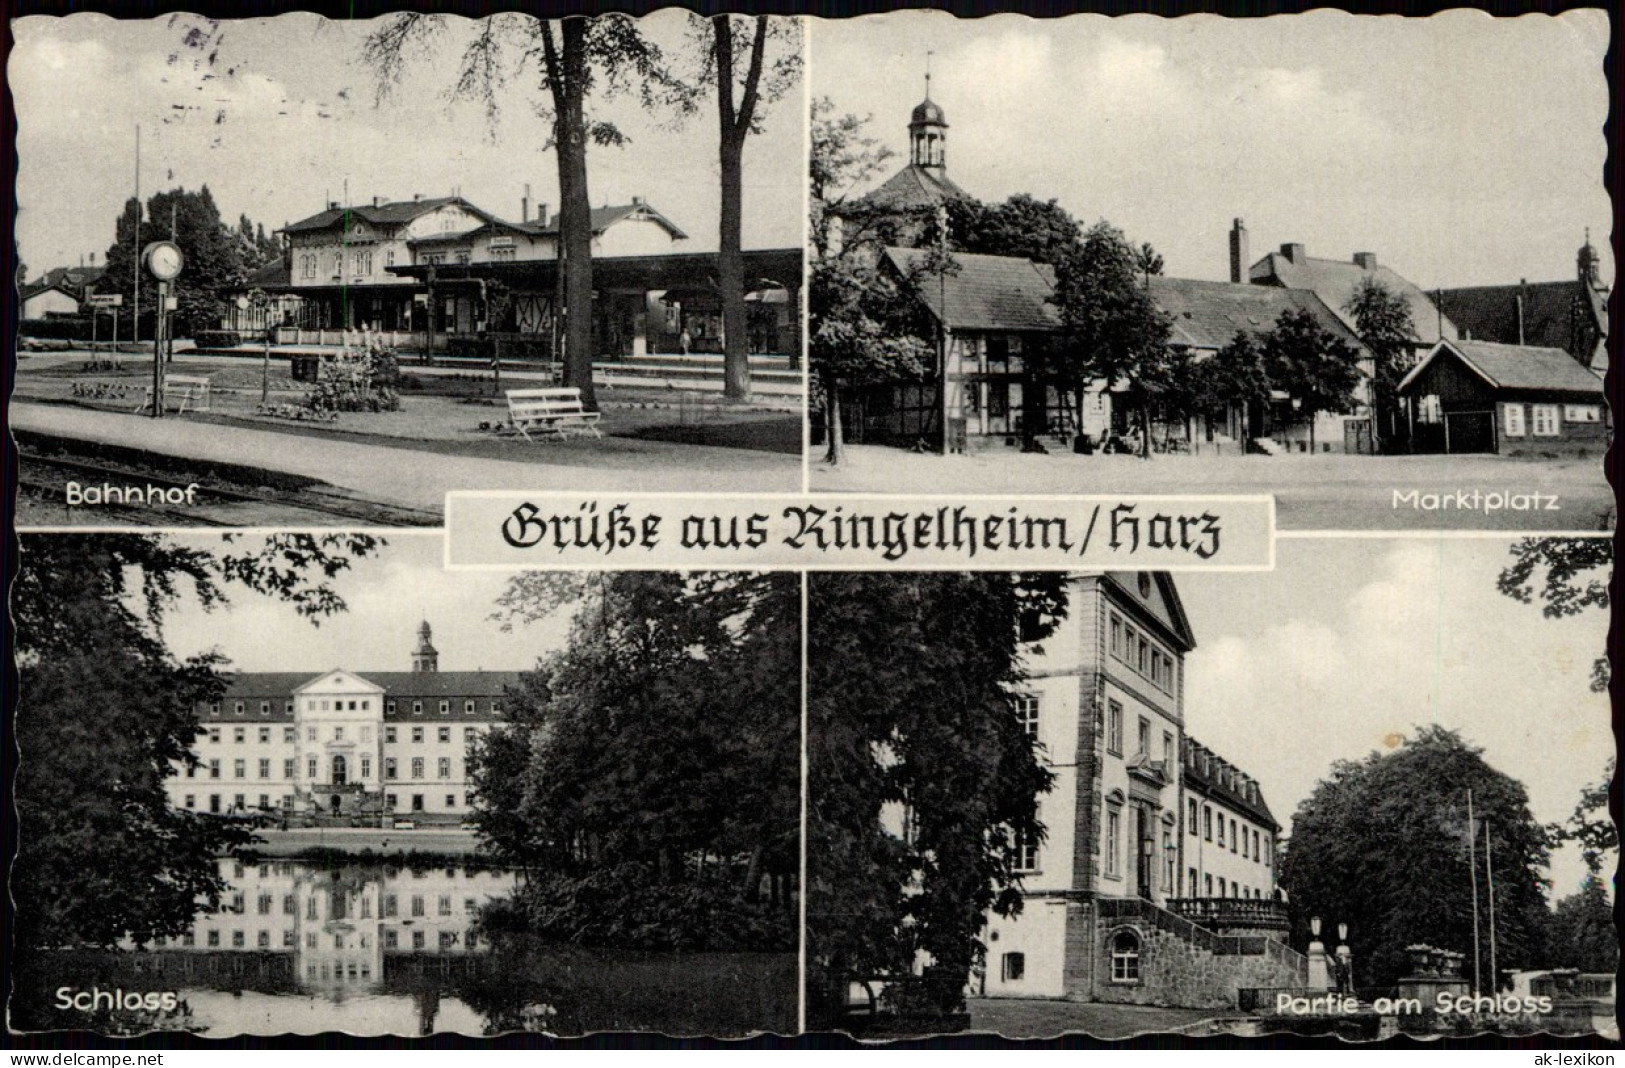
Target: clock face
{"x": 164, "y": 260}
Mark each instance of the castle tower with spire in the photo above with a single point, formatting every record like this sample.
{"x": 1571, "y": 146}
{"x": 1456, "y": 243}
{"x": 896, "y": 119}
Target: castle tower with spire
{"x": 425, "y": 658}
{"x": 928, "y": 133}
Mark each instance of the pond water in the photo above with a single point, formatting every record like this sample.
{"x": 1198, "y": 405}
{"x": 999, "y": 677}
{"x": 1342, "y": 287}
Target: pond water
{"x": 374, "y": 950}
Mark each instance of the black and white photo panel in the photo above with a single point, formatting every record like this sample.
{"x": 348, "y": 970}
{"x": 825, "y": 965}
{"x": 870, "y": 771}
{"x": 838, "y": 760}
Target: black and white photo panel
{"x": 553, "y": 803}
{"x": 1359, "y": 263}
{"x": 1363, "y": 795}
{"x": 315, "y": 273}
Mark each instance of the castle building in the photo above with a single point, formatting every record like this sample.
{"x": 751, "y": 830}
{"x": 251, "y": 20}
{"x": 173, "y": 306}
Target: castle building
{"x": 1156, "y": 881}
{"x": 364, "y": 745}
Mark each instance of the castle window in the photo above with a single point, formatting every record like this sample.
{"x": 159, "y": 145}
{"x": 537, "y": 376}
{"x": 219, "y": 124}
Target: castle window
{"x": 1013, "y": 967}
{"x": 1125, "y": 958}
{"x": 338, "y": 734}
{"x": 1114, "y": 728}
{"x": 366, "y": 734}
{"x": 1143, "y": 737}
{"x": 239, "y": 769}
{"x": 451, "y": 800}
{"x": 1233, "y": 836}
{"x": 1256, "y": 854}
{"x": 1114, "y": 835}
{"x": 496, "y": 706}
{"x": 288, "y": 768}
{"x": 470, "y": 734}
{"x": 444, "y": 767}
{"x": 389, "y": 706}
{"x": 191, "y": 801}
{"x": 468, "y": 707}
{"x": 1207, "y": 823}
{"x": 265, "y": 735}
{"x": 1168, "y": 752}
{"x": 389, "y": 768}
{"x": 1026, "y": 851}
{"x": 444, "y": 734}
{"x": 1026, "y": 706}
{"x": 1193, "y": 889}
{"x": 445, "y": 707}
{"x": 417, "y": 708}
{"x": 389, "y": 735}
{"x": 1221, "y": 830}
{"x": 417, "y": 767}
{"x": 265, "y": 768}
{"x": 214, "y": 735}
{"x": 238, "y": 735}
{"x": 417, "y": 734}
{"x": 366, "y": 767}
{"x": 310, "y": 769}
{"x": 289, "y": 735}
{"x": 1117, "y": 637}
{"x": 238, "y": 708}
{"x": 265, "y": 707}
{"x": 310, "y": 734}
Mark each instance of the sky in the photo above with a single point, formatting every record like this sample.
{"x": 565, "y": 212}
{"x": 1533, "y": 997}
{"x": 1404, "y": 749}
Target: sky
{"x": 1352, "y": 643}
{"x": 1461, "y": 149}
{"x": 388, "y": 596}
{"x": 298, "y": 118}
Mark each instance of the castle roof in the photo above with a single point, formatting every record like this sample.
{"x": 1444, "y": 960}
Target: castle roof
{"x": 913, "y": 188}
{"x": 1205, "y": 772}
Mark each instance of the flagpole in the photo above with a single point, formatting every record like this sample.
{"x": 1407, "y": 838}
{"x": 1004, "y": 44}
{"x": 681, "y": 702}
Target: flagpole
{"x": 1489, "y": 872}
{"x": 135, "y": 329}
{"x": 1472, "y": 867}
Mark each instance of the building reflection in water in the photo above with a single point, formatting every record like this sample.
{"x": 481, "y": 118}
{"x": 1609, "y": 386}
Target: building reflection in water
{"x": 386, "y": 937}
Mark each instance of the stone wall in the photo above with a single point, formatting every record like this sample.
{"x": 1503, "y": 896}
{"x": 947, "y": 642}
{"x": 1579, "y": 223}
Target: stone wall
{"x": 1180, "y": 964}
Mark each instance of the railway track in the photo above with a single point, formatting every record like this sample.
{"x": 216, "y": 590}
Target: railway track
{"x": 219, "y": 501}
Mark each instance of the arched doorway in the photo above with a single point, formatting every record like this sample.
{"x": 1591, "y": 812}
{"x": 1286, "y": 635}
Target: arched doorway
{"x": 337, "y": 801}
{"x": 341, "y": 770}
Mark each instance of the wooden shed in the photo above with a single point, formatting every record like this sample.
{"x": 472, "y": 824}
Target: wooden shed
{"x": 1476, "y": 396}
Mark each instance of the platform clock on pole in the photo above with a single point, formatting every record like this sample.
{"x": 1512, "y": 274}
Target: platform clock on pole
{"x": 163, "y": 261}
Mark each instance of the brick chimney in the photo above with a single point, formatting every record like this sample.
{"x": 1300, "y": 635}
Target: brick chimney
{"x": 1294, "y": 253}
{"x": 524, "y": 205}
{"x": 1367, "y": 261}
{"x": 1238, "y": 252}
{"x": 377, "y": 202}
{"x": 637, "y": 202}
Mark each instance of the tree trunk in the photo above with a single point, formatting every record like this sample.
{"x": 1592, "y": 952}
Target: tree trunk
{"x": 1145, "y": 429}
{"x": 834, "y": 440}
{"x": 1311, "y": 433}
{"x": 567, "y": 70}
{"x": 734, "y": 127}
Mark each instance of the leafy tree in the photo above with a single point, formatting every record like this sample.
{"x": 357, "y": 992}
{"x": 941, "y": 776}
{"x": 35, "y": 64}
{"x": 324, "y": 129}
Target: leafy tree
{"x": 1577, "y": 571}
{"x": 1582, "y": 933}
{"x": 1041, "y": 231}
{"x": 571, "y": 60}
{"x": 1383, "y": 322}
{"x": 1112, "y": 329}
{"x": 921, "y": 781}
{"x": 1319, "y": 369}
{"x": 744, "y": 81}
{"x": 864, "y": 324}
{"x": 216, "y": 262}
{"x": 1591, "y": 825}
{"x": 647, "y": 778}
{"x": 106, "y": 714}
{"x": 1382, "y": 845}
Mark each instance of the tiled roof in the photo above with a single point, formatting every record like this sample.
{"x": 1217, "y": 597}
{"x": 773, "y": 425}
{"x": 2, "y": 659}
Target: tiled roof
{"x": 1518, "y": 367}
{"x": 278, "y": 688}
{"x": 71, "y": 280}
{"x": 1335, "y": 281}
{"x": 395, "y": 213}
{"x": 1551, "y": 312}
{"x": 602, "y": 219}
{"x": 1208, "y": 315}
{"x": 1224, "y": 782}
{"x": 910, "y": 188}
{"x": 986, "y": 292}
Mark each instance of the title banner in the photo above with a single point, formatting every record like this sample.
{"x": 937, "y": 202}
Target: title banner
{"x": 510, "y": 530}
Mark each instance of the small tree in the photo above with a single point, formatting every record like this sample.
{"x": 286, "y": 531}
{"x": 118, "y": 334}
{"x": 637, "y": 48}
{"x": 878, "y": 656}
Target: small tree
{"x": 1383, "y": 321}
{"x": 864, "y": 324}
{"x": 1582, "y": 933}
{"x": 1113, "y": 331}
{"x": 1319, "y": 369}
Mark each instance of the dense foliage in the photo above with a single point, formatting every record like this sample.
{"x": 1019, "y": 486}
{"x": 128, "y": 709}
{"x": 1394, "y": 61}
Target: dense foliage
{"x": 1382, "y": 319}
{"x": 1382, "y": 844}
{"x": 648, "y": 778}
{"x": 105, "y": 714}
{"x": 1574, "y": 574}
{"x": 922, "y": 782}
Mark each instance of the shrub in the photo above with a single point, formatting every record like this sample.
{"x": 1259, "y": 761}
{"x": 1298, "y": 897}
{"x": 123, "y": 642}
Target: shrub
{"x": 217, "y": 339}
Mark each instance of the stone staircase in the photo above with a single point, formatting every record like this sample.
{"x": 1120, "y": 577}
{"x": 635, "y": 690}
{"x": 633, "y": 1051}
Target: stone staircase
{"x": 1266, "y": 446}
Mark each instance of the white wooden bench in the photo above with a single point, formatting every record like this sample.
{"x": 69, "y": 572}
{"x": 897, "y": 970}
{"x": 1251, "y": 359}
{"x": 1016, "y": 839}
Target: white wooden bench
{"x": 550, "y": 411}
{"x": 180, "y": 391}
